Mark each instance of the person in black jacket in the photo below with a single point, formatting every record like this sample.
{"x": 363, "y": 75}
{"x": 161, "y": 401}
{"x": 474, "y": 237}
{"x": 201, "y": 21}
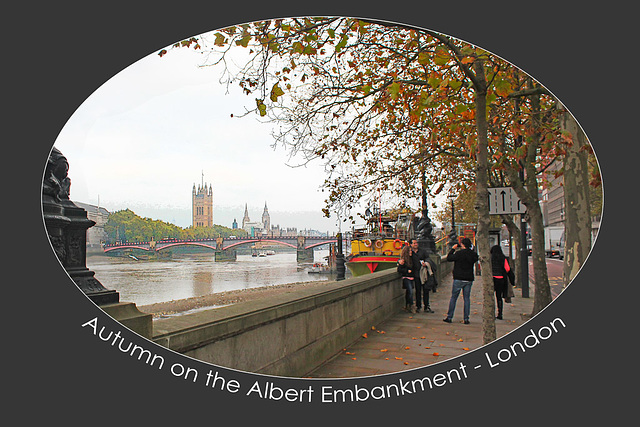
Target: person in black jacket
{"x": 419, "y": 258}
{"x": 502, "y": 274}
{"x": 463, "y": 275}
{"x": 405, "y": 268}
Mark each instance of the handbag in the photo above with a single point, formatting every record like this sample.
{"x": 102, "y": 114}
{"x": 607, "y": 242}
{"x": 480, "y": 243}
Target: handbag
{"x": 511, "y": 282}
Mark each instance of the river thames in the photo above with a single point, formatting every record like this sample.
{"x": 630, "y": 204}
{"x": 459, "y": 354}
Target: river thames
{"x": 152, "y": 281}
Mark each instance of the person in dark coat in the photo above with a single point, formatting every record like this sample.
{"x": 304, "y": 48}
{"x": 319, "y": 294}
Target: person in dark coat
{"x": 419, "y": 257}
{"x": 429, "y": 282}
{"x": 405, "y": 268}
{"x": 464, "y": 260}
{"x": 502, "y": 273}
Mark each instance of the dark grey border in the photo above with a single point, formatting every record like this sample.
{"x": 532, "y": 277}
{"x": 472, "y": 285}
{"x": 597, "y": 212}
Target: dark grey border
{"x": 59, "y": 54}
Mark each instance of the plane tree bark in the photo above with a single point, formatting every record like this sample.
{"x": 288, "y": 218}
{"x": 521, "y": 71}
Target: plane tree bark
{"x": 577, "y": 198}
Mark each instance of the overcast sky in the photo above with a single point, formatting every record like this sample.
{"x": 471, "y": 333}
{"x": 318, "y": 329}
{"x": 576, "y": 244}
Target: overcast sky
{"x": 144, "y": 138}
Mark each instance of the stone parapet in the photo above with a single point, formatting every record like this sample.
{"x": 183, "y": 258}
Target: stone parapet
{"x": 289, "y": 334}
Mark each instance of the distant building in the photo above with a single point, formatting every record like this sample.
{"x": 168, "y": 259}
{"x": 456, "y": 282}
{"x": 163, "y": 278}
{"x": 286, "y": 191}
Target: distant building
{"x": 245, "y": 219}
{"x": 552, "y": 204}
{"x": 96, "y": 234}
{"x": 266, "y": 218}
{"x": 257, "y": 228}
{"x": 202, "y": 205}
{"x": 552, "y": 201}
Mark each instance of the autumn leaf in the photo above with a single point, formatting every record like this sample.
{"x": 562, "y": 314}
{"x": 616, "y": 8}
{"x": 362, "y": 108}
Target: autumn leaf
{"x": 455, "y": 84}
{"x": 364, "y": 335}
{"x": 276, "y": 91}
{"x": 262, "y": 108}
{"x": 384, "y": 350}
{"x": 503, "y": 87}
{"x": 442, "y": 56}
{"x": 436, "y": 354}
{"x": 394, "y": 90}
{"x": 244, "y": 41}
{"x": 423, "y": 58}
{"x": 465, "y": 348}
{"x": 342, "y": 43}
{"x": 220, "y": 39}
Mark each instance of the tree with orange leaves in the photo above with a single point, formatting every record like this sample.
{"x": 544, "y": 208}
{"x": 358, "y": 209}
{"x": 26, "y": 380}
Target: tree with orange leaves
{"x": 381, "y": 104}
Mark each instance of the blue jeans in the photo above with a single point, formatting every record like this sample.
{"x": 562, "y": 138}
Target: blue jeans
{"x": 407, "y": 284}
{"x": 465, "y": 287}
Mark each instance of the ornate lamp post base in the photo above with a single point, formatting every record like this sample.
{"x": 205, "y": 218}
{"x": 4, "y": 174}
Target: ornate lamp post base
{"x": 67, "y": 226}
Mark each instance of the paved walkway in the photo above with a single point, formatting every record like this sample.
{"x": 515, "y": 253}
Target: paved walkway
{"x": 408, "y": 341}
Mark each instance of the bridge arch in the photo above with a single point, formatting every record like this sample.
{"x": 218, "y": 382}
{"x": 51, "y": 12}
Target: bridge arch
{"x": 115, "y": 248}
{"x": 170, "y": 245}
{"x": 244, "y": 242}
{"x": 320, "y": 244}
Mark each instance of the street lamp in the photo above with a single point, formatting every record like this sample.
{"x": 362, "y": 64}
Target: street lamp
{"x": 453, "y": 235}
{"x": 424, "y": 228}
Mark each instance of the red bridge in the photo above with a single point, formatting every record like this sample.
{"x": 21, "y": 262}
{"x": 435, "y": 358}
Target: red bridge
{"x": 218, "y": 244}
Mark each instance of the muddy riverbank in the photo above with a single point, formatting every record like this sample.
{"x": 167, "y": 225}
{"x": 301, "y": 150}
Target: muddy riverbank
{"x": 176, "y": 307}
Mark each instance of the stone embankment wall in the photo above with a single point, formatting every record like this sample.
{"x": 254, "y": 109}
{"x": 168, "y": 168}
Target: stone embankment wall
{"x": 289, "y": 334}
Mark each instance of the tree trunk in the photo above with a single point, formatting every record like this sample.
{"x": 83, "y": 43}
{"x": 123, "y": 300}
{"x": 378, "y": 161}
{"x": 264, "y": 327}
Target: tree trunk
{"x": 482, "y": 205}
{"x": 542, "y": 296}
{"x": 577, "y": 223}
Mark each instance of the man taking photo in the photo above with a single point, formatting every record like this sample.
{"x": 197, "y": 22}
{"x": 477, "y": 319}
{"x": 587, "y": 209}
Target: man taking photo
{"x": 463, "y": 274}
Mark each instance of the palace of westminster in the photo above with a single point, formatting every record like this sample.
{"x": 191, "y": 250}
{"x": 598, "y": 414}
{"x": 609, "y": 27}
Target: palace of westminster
{"x": 202, "y": 215}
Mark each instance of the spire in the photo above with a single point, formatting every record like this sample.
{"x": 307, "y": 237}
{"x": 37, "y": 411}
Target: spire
{"x": 246, "y": 219}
